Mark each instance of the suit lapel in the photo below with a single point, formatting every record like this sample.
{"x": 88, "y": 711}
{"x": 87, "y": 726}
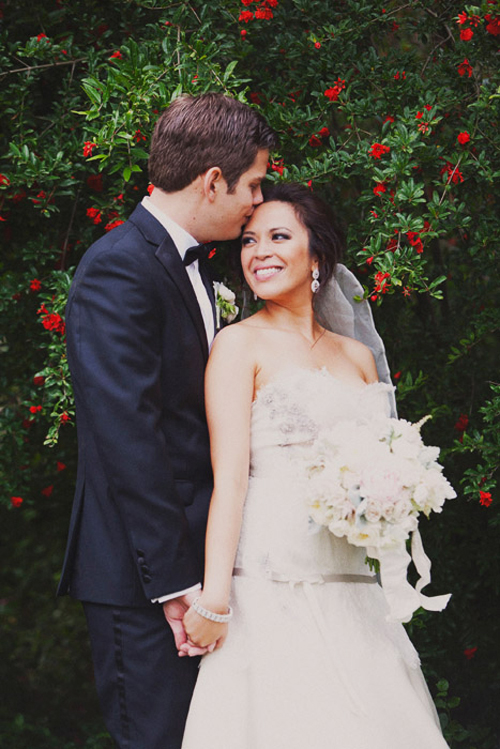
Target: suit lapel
{"x": 169, "y": 257}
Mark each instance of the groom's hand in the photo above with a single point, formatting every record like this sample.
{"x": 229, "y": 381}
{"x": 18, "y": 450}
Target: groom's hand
{"x": 174, "y": 611}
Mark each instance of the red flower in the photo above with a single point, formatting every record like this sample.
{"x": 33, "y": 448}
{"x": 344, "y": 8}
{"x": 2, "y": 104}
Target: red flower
{"x": 35, "y": 409}
{"x": 16, "y": 501}
{"x": 403, "y": 75}
{"x": 4, "y": 180}
{"x": 466, "y": 35}
{"x": 454, "y": 174}
{"x": 38, "y": 380}
{"x": 48, "y": 490}
{"x": 333, "y": 92}
{"x": 317, "y": 45}
{"x": 493, "y": 25}
{"x": 94, "y": 181}
{"x": 419, "y": 115}
{"x": 397, "y": 375}
{"x": 462, "y": 18}
{"x": 264, "y": 13}
{"x": 255, "y": 98}
{"x": 464, "y": 68}
{"x": 463, "y": 138}
{"x": 245, "y": 15}
{"x": 315, "y": 140}
{"x": 114, "y": 224}
{"x": 278, "y": 166}
{"x": 378, "y": 150}
{"x": 470, "y": 653}
{"x": 116, "y": 55}
{"x": 247, "y": 2}
{"x": 389, "y": 118}
{"x": 150, "y": 190}
{"x": 415, "y": 241}
{"x": 392, "y": 245}
{"x": 64, "y": 417}
{"x": 379, "y": 188}
{"x": 243, "y": 33}
{"x": 462, "y": 423}
{"x": 88, "y": 147}
{"x": 485, "y": 498}
{"x": 382, "y": 282}
{"x": 369, "y": 260}
{"x": 52, "y": 321}
{"x": 138, "y": 136}
{"x": 35, "y": 285}
{"x": 94, "y": 214}
{"x": 60, "y": 466}
{"x": 42, "y": 36}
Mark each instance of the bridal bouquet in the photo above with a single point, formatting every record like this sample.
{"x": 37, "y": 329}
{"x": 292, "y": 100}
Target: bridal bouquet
{"x": 368, "y": 482}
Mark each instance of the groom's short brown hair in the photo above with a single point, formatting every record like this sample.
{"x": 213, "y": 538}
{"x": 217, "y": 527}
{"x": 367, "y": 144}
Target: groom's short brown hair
{"x": 196, "y": 133}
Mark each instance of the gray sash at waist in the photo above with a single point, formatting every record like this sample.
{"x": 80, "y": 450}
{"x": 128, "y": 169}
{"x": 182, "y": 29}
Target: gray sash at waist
{"x": 278, "y": 577}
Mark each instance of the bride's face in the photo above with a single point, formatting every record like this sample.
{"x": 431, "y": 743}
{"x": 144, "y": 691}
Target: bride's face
{"x": 275, "y": 253}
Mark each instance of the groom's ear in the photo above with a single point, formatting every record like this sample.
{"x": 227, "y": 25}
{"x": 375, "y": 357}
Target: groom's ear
{"x": 213, "y": 182}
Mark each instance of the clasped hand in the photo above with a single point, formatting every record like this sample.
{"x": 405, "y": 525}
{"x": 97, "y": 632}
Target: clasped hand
{"x": 193, "y": 634}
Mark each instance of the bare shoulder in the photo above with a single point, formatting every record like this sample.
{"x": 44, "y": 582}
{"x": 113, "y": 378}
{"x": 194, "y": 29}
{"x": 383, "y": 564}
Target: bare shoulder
{"x": 360, "y": 355}
{"x": 234, "y": 343}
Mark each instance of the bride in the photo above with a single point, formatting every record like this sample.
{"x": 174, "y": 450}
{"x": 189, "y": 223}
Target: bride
{"x": 308, "y": 660}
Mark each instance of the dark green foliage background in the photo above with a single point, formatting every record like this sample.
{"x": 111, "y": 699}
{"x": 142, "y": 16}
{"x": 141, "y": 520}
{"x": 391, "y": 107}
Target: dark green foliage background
{"x": 439, "y": 311}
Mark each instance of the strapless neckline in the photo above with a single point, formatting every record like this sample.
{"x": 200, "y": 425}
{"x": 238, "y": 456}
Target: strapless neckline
{"x": 287, "y": 374}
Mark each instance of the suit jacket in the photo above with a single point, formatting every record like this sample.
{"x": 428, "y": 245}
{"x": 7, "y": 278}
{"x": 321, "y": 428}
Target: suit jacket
{"x": 137, "y": 351}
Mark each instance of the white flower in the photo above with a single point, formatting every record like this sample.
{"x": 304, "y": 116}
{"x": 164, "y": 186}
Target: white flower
{"x": 225, "y": 306}
{"x": 368, "y": 481}
{"x": 224, "y": 293}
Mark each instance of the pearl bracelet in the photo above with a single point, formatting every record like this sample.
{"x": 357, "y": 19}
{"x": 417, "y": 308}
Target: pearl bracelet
{"x": 211, "y": 615}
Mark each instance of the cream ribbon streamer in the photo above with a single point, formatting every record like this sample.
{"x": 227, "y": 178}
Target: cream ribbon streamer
{"x": 403, "y": 599}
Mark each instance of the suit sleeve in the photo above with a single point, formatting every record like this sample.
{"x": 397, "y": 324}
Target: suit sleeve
{"x": 114, "y": 324}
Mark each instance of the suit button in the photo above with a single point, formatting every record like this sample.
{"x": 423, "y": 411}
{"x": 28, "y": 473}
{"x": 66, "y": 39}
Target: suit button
{"x": 140, "y": 552}
{"x": 141, "y": 560}
{"x": 147, "y": 578}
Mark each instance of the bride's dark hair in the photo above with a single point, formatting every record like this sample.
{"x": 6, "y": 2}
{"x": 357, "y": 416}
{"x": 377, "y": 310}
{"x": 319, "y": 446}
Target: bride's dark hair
{"x": 325, "y": 238}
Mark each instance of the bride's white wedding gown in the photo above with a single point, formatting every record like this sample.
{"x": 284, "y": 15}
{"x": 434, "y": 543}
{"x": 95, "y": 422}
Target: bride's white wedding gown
{"x": 310, "y": 661}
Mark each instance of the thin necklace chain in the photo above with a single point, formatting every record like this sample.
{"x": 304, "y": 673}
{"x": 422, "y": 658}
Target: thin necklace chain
{"x": 318, "y": 338}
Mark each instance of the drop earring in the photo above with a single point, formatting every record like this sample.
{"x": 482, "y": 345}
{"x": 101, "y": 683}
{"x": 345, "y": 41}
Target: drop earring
{"x": 315, "y": 282}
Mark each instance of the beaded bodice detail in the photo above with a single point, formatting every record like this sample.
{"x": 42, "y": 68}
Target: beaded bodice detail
{"x": 287, "y": 416}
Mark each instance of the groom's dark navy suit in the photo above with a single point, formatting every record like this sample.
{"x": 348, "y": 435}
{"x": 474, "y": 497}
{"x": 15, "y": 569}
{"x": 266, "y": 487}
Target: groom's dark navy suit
{"x": 137, "y": 351}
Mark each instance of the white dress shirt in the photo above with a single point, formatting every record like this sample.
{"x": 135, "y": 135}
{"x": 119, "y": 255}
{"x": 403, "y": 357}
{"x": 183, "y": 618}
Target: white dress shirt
{"x": 183, "y": 241}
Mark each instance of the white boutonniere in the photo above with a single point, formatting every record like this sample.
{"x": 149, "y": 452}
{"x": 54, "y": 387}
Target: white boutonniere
{"x": 225, "y": 306}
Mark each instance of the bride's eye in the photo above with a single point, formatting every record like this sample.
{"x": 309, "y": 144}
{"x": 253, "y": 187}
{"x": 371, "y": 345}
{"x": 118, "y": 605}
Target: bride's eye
{"x": 280, "y": 235}
{"x": 247, "y": 240}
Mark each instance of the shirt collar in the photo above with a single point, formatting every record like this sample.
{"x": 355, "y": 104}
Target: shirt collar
{"x": 182, "y": 239}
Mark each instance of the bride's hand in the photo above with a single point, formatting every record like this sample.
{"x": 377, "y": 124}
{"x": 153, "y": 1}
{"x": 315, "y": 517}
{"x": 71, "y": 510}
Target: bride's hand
{"x": 202, "y": 633}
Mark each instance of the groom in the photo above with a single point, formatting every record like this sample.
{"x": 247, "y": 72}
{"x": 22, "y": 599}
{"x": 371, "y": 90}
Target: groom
{"x": 140, "y": 320}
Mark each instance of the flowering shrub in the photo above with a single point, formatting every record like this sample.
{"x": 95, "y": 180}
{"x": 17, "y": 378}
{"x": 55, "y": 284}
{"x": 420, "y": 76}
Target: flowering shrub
{"x": 391, "y": 112}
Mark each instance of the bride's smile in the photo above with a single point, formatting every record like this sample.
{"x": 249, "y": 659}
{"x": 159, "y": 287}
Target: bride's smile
{"x": 275, "y": 253}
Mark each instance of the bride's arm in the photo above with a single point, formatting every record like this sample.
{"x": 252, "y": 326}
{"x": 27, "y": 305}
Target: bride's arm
{"x": 229, "y": 387}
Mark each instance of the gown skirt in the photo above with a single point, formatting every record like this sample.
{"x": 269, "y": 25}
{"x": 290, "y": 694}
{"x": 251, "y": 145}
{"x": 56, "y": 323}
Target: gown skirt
{"x": 310, "y": 661}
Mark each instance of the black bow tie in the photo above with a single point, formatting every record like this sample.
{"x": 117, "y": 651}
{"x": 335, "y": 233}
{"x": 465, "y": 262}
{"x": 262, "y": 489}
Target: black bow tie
{"x": 199, "y": 252}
